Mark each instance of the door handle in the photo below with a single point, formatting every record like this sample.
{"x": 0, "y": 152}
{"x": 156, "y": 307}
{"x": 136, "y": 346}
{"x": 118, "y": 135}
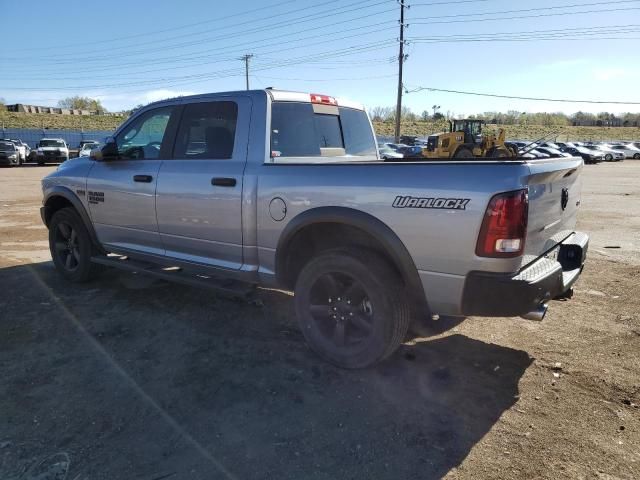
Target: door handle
{"x": 223, "y": 182}
{"x": 142, "y": 178}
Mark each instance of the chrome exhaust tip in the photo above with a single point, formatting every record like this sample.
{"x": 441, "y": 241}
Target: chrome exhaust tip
{"x": 537, "y": 314}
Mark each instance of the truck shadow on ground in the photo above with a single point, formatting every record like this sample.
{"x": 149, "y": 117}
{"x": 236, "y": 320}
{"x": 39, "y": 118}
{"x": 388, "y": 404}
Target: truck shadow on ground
{"x": 135, "y": 378}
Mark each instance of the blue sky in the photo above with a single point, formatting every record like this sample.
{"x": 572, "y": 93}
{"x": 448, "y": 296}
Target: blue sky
{"x": 131, "y": 52}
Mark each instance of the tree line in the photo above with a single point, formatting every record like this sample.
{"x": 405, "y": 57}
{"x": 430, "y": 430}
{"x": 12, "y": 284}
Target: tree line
{"x": 515, "y": 117}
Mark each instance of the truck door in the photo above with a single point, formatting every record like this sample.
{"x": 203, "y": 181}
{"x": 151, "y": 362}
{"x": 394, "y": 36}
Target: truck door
{"x": 121, "y": 192}
{"x": 199, "y": 194}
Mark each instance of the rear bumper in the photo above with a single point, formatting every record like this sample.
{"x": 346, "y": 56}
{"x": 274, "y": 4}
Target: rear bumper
{"x": 507, "y": 295}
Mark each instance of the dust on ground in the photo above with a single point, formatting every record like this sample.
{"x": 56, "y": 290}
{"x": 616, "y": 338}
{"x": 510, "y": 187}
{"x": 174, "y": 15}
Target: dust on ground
{"x": 132, "y": 378}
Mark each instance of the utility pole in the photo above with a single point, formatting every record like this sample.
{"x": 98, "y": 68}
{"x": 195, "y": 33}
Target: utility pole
{"x": 400, "y": 62}
{"x": 246, "y": 59}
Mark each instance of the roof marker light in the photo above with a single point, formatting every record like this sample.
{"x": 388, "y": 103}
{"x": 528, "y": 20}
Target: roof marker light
{"x": 323, "y": 99}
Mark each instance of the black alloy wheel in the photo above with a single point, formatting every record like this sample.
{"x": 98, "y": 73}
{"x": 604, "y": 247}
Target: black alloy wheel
{"x": 66, "y": 246}
{"x": 342, "y": 310}
{"x": 351, "y": 307}
{"x": 71, "y": 246}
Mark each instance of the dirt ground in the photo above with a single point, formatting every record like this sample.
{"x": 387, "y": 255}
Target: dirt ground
{"x": 132, "y": 378}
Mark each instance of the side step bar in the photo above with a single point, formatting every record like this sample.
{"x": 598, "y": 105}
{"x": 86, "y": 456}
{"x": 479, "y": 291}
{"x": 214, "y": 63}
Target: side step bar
{"x": 232, "y": 288}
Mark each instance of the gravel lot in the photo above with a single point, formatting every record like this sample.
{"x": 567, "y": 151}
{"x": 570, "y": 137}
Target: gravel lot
{"x": 132, "y": 378}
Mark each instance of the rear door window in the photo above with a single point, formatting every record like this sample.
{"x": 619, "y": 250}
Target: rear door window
{"x": 207, "y": 130}
{"x": 297, "y": 130}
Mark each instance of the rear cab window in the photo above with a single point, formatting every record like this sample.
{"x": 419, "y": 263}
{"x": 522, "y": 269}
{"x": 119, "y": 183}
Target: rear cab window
{"x": 305, "y": 131}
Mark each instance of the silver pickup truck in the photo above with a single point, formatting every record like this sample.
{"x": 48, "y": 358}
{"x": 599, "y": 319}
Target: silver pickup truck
{"x": 287, "y": 190}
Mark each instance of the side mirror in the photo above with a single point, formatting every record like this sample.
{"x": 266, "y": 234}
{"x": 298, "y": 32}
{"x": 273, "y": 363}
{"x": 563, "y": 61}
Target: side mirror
{"x": 109, "y": 151}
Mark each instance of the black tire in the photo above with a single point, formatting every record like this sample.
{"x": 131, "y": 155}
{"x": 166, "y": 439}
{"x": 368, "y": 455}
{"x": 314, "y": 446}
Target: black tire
{"x": 608, "y": 157}
{"x": 636, "y": 156}
{"x": 360, "y": 311}
{"x": 464, "y": 153}
{"x": 71, "y": 246}
{"x": 498, "y": 153}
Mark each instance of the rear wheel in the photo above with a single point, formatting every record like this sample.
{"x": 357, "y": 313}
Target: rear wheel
{"x": 463, "y": 153}
{"x": 351, "y": 307}
{"x": 71, "y": 246}
{"x": 498, "y": 153}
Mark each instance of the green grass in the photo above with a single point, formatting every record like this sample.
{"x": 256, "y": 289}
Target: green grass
{"x": 419, "y": 128}
{"x": 521, "y": 132}
{"x": 63, "y": 122}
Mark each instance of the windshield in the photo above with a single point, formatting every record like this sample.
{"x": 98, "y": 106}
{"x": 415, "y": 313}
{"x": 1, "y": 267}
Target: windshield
{"x": 7, "y": 146}
{"x": 298, "y": 130}
{"x": 51, "y": 143}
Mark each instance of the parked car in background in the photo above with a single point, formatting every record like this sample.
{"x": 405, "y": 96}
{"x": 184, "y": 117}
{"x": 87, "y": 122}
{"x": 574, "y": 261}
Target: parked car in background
{"x": 411, "y": 151}
{"x": 85, "y": 149}
{"x": 589, "y": 156}
{"x": 23, "y": 149}
{"x": 553, "y": 152}
{"x": 629, "y": 150}
{"x": 396, "y": 146}
{"x": 87, "y": 142}
{"x": 388, "y": 153}
{"x": 557, "y": 146}
{"x": 9, "y": 154}
{"x": 609, "y": 154}
{"x": 52, "y": 150}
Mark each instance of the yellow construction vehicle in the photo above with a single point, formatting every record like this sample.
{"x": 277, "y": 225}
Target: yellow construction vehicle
{"x": 466, "y": 140}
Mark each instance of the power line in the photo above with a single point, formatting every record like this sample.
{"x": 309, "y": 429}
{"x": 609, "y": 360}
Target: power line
{"x": 433, "y": 4}
{"x": 280, "y": 50}
{"x": 514, "y": 97}
{"x": 351, "y": 7}
{"x": 138, "y": 35}
{"x": 538, "y": 9}
{"x": 243, "y": 46}
{"x": 535, "y": 35}
{"x": 520, "y": 17}
{"x": 224, "y": 74}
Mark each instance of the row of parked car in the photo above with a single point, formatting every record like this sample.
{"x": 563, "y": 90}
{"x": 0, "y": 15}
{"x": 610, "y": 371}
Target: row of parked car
{"x": 591, "y": 152}
{"x": 15, "y": 152}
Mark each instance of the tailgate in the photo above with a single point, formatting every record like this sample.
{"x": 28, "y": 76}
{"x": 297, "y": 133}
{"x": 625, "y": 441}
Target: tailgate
{"x": 554, "y": 199}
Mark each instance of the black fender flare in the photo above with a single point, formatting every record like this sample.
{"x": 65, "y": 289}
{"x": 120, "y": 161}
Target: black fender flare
{"x": 69, "y": 195}
{"x": 365, "y": 222}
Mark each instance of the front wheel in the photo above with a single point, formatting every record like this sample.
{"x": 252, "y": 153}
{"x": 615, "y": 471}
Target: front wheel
{"x": 463, "y": 153}
{"x": 608, "y": 157}
{"x": 351, "y": 307}
{"x": 636, "y": 156}
{"x": 71, "y": 246}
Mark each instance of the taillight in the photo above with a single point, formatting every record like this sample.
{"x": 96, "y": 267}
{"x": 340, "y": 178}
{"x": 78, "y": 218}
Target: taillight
{"x": 504, "y": 227}
{"x": 323, "y": 99}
